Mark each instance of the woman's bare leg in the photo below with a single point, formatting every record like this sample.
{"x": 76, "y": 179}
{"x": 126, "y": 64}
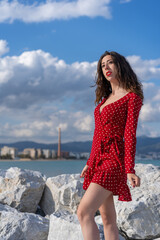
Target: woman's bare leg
{"x": 108, "y": 214}
{"x": 93, "y": 198}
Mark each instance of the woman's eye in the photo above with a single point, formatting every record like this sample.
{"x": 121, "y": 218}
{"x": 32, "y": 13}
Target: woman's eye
{"x": 103, "y": 66}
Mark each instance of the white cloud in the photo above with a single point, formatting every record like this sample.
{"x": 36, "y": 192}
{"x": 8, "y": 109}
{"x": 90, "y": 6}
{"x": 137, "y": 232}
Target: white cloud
{"x": 40, "y": 93}
{"x": 145, "y": 69}
{"x": 52, "y": 10}
{"x": 150, "y": 91}
{"x": 22, "y": 133}
{"x": 156, "y": 97}
{"x": 150, "y": 130}
{"x": 148, "y": 85}
{"x": 36, "y": 76}
{"x": 46, "y": 127}
{"x": 3, "y": 47}
{"x": 63, "y": 126}
{"x": 150, "y": 112}
{"x": 83, "y": 124}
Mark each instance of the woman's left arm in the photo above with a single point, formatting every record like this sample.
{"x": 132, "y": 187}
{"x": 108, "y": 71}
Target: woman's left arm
{"x": 134, "y": 179}
{"x": 134, "y": 106}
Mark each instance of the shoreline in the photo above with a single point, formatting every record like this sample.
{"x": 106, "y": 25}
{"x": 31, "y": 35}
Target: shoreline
{"x": 40, "y": 160}
{"x": 63, "y": 159}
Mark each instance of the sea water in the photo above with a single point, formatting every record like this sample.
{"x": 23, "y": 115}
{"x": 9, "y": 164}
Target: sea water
{"x": 52, "y": 168}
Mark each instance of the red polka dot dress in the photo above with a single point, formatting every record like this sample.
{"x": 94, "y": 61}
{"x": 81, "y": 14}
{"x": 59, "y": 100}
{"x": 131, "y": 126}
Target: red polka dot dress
{"x": 114, "y": 145}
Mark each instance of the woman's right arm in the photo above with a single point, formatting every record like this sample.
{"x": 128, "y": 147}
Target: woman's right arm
{"x": 84, "y": 171}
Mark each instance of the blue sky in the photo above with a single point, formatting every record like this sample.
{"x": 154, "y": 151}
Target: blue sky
{"x": 48, "y": 56}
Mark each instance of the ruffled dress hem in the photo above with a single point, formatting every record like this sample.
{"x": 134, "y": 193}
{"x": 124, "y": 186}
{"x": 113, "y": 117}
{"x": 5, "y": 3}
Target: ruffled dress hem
{"x": 103, "y": 178}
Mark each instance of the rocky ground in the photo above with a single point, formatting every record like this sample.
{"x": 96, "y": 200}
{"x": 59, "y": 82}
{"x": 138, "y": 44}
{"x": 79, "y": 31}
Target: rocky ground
{"x": 33, "y": 207}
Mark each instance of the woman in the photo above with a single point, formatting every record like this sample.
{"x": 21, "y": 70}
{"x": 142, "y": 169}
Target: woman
{"x": 112, "y": 156}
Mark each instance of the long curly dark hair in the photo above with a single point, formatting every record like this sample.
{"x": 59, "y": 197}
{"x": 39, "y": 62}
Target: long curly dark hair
{"x": 125, "y": 75}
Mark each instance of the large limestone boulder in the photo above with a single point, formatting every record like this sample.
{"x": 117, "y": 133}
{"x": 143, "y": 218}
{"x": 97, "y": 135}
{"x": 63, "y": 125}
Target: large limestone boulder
{"x": 99, "y": 222}
{"x": 140, "y": 218}
{"x": 64, "y": 225}
{"x": 21, "y": 189}
{"x": 16, "y": 225}
{"x": 62, "y": 192}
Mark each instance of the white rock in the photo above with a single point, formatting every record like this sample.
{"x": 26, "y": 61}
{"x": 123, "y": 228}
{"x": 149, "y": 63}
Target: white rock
{"x": 16, "y": 225}
{"x": 98, "y": 220}
{"x": 21, "y": 189}
{"x": 64, "y": 225}
{"x": 62, "y": 192}
{"x": 140, "y": 218}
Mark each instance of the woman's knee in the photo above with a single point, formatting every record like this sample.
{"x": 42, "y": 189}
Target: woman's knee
{"x": 80, "y": 213}
{"x": 107, "y": 211}
{"x": 107, "y": 220}
{"x": 84, "y": 214}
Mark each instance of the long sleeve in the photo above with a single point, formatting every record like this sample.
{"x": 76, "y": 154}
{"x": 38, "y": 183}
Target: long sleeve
{"x": 92, "y": 149}
{"x": 88, "y": 161}
{"x": 134, "y": 107}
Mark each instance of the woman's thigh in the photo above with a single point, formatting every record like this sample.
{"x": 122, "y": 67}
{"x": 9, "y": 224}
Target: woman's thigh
{"x": 107, "y": 210}
{"x": 93, "y": 198}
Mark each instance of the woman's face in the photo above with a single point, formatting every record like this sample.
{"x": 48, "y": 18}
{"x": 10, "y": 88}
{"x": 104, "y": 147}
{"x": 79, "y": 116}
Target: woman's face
{"x": 108, "y": 68}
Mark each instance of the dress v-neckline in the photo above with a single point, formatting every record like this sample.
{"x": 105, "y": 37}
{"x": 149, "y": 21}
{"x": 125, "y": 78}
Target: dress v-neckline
{"x": 100, "y": 112}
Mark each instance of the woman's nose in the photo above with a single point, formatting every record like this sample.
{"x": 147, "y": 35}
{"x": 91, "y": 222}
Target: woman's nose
{"x": 106, "y": 66}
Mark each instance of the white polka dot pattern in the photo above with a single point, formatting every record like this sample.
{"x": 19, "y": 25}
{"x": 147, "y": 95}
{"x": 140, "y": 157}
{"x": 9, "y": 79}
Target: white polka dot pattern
{"x": 114, "y": 145}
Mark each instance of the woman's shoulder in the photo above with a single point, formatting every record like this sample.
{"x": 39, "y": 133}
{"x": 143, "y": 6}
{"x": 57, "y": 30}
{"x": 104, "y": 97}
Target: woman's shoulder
{"x": 134, "y": 95}
{"x": 134, "y": 99}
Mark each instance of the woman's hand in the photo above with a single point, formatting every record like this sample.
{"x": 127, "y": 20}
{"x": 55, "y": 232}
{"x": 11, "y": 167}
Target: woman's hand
{"x": 134, "y": 179}
{"x": 84, "y": 171}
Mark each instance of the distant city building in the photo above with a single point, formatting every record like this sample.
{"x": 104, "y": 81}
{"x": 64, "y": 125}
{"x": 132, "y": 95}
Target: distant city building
{"x": 47, "y": 153}
{"x": 39, "y": 153}
{"x": 74, "y": 155}
{"x": 84, "y": 155}
{"x": 32, "y": 152}
{"x": 64, "y": 154}
{"x": 13, "y": 152}
{"x": 54, "y": 153}
{"x": 59, "y": 143}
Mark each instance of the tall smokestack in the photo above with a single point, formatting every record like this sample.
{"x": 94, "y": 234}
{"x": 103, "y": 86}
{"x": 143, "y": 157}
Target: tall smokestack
{"x": 59, "y": 143}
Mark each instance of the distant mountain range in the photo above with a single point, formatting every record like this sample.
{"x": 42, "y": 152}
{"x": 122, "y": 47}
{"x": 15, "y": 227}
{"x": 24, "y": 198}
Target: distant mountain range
{"x": 144, "y": 145}
{"x": 69, "y": 147}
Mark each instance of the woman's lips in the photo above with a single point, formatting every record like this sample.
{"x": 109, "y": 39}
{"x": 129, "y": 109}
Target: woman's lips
{"x": 108, "y": 73}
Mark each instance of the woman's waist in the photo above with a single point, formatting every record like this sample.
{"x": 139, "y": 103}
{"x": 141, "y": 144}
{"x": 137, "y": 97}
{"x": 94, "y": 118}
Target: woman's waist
{"x": 109, "y": 133}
